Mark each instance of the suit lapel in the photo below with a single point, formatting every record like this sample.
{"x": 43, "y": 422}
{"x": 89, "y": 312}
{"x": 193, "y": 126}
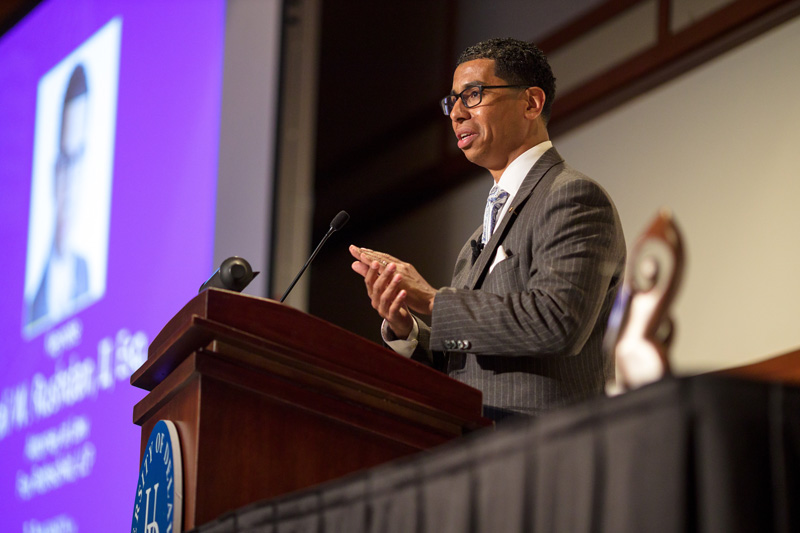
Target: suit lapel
{"x": 464, "y": 263}
{"x": 549, "y": 159}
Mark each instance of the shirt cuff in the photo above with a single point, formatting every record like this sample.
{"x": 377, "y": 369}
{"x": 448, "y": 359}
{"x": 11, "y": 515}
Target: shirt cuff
{"x": 404, "y": 347}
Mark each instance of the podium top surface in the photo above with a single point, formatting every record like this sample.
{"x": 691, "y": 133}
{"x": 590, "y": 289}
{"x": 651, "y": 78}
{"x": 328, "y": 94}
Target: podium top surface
{"x": 284, "y": 336}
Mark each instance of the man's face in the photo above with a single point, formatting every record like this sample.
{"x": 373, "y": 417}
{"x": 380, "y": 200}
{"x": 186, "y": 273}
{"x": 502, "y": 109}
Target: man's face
{"x": 68, "y": 169}
{"x": 493, "y": 133}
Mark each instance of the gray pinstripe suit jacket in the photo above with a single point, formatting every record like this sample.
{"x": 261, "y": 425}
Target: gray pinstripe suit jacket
{"x": 529, "y": 334}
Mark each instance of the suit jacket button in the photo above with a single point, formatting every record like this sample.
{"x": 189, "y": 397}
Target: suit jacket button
{"x": 448, "y": 345}
{"x": 467, "y": 345}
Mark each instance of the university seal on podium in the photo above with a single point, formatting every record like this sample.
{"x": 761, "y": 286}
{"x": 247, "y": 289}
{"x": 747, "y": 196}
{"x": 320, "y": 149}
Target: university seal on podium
{"x": 159, "y": 492}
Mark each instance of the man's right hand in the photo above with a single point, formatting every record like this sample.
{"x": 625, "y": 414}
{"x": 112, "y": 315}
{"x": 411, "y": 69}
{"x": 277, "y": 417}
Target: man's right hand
{"x": 386, "y": 296}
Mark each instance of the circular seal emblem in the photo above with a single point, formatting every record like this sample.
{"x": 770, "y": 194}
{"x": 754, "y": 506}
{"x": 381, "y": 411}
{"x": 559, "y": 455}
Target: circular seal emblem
{"x": 159, "y": 493}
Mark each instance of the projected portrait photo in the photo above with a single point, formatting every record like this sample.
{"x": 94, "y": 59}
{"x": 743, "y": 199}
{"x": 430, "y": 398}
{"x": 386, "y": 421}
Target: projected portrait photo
{"x": 71, "y": 183}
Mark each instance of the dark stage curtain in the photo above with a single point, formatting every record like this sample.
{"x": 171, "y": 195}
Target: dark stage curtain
{"x": 708, "y": 454}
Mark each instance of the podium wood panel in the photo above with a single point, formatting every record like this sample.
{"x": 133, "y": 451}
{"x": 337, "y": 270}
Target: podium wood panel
{"x": 268, "y": 400}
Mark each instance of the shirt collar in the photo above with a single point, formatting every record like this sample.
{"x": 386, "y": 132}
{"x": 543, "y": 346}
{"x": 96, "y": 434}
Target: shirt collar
{"x": 515, "y": 173}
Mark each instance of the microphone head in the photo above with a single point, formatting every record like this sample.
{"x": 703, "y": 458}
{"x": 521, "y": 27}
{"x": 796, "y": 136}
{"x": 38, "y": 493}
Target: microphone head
{"x": 339, "y": 220}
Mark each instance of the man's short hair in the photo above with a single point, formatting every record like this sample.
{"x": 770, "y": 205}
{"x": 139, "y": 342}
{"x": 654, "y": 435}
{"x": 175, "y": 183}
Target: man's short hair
{"x": 518, "y": 63}
{"x": 75, "y": 87}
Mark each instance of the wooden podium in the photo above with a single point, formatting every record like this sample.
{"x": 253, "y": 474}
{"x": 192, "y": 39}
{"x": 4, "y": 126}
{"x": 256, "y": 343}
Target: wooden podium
{"x": 268, "y": 400}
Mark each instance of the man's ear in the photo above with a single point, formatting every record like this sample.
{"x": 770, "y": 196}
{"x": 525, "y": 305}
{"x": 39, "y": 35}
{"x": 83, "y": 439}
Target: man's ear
{"x": 535, "y": 100}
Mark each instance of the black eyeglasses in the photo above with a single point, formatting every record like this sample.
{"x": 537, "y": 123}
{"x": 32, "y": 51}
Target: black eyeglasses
{"x": 472, "y": 96}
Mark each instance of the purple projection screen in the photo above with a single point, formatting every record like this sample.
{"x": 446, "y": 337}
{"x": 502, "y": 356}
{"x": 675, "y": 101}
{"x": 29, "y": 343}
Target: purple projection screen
{"x": 109, "y": 142}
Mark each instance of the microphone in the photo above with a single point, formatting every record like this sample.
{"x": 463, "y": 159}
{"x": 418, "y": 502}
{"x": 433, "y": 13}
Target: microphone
{"x": 477, "y": 248}
{"x": 234, "y": 274}
{"x": 337, "y": 223}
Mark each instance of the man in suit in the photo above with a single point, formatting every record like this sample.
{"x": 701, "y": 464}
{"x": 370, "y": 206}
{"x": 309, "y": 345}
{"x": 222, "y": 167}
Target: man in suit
{"x": 524, "y": 316}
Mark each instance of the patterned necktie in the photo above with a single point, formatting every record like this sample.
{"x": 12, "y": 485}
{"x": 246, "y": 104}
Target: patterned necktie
{"x": 494, "y": 204}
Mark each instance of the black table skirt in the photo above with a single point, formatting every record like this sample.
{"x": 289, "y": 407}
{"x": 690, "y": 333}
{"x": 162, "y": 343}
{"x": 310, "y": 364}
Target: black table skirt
{"x": 707, "y": 453}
